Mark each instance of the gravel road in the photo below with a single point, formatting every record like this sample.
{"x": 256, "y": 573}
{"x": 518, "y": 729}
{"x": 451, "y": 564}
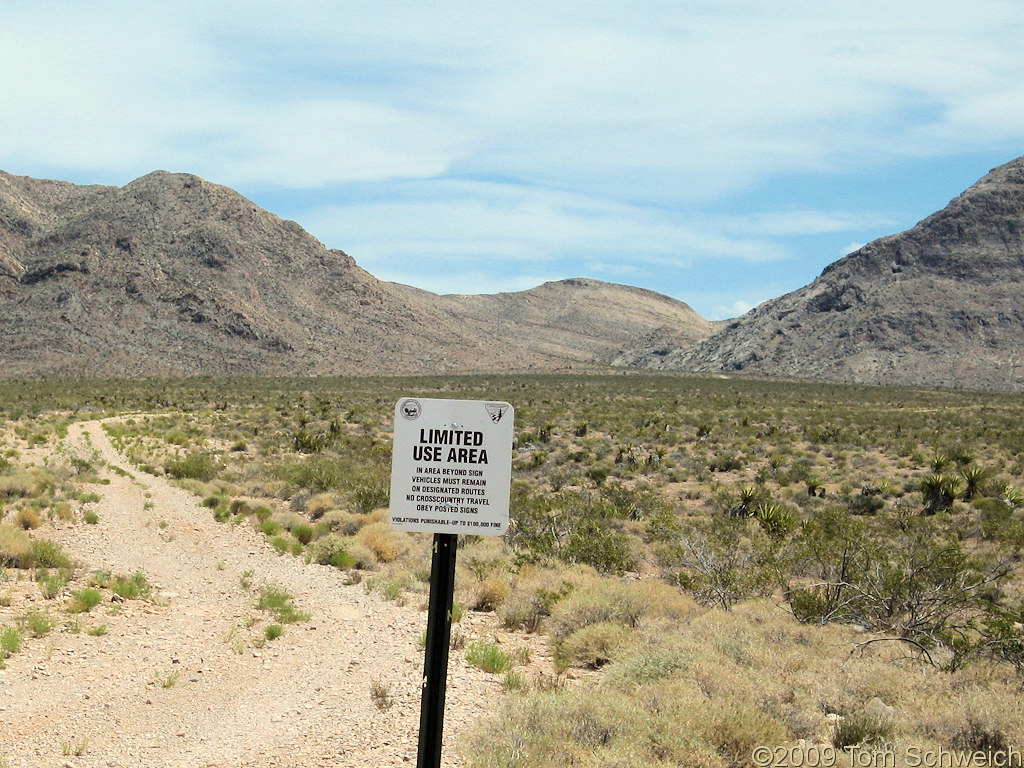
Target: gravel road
{"x": 182, "y": 680}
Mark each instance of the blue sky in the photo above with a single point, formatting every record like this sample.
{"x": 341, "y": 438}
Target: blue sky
{"x": 722, "y": 153}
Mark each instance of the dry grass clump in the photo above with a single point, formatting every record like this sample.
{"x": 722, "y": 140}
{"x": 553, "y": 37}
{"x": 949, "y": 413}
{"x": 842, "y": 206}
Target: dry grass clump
{"x": 27, "y": 483}
{"x": 320, "y": 504}
{"x": 340, "y": 521}
{"x": 535, "y": 591}
{"x": 287, "y": 520}
{"x": 28, "y": 518}
{"x": 14, "y": 546}
{"x": 385, "y": 543}
{"x": 491, "y": 593}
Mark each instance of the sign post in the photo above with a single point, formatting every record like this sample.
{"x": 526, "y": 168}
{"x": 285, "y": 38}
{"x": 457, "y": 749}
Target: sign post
{"x": 451, "y": 472}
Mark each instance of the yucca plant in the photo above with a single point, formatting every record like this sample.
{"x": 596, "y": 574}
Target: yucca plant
{"x": 777, "y": 520}
{"x": 974, "y": 476}
{"x": 938, "y": 492}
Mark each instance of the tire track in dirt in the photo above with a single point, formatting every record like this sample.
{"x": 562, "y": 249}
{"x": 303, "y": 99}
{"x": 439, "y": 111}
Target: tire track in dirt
{"x": 301, "y": 700}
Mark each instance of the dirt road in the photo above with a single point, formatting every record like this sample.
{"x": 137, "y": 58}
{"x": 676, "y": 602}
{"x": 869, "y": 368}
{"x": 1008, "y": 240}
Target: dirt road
{"x": 182, "y": 679}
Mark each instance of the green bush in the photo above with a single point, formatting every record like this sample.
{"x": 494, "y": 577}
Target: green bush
{"x": 85, "y": 600}
{"x": 195, "y": 466}
{"x": 487, "y": 656}
{"x": 331, "y": 550}
{"x": 52, "y": 584}
{"x": 47, "y": 554}
{"x": 277, "y": 601}
{"x": 10, "y": 642}
{"x": 130, "y": 587}
{"x": 39, "y": 623}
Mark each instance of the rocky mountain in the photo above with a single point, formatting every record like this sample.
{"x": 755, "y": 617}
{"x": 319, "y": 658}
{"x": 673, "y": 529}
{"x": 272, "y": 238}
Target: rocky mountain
{"x": 173, "y": 275}
{"x": 940, "y": 305}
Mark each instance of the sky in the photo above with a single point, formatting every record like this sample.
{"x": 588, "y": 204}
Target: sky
{"x": 722, "y": 153}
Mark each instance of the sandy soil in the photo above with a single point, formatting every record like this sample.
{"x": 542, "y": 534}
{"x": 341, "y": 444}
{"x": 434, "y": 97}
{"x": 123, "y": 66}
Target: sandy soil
{"x": 71, "y": 698}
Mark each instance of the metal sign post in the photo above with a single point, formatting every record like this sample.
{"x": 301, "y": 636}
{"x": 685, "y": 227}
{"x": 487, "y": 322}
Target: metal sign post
{"x": 451, "y": 472}
{"x": 435, "y": 663}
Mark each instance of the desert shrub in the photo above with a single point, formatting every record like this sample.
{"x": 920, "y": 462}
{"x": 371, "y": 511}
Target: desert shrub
{"x": 28, "y": 518}
{"x": 862, "y": 729}
{"x": 979, "y": 736}
{"x": 572, "y": 526}
{"x": 342, "y": 552}
{"x": 648, "y": 666}
{"x": 593, "y": 645}
{"x": 324, "y": 549}
{"x": 911, "y": 579}
{"x": 11, "y": 639}
{"x": 370, "y": 491}
{"x": 734, "y": 727}
{"x": 601, "y": 601}
{"x": 262, "y": 513}
{"x": 303, "y": 533}
{"x": 491, "y": 593}
{"x": 287, "y": 520}
{"x": 385, "y": 543}
{"x": 863, "y": 504}
{"x": 318, "y": 474}
{"x": 240, "y": 507}
{"x": 50, "y": 583}
{"x": 580, "y": 727}
{"x": 130, "y": 587}
{"x": 720, "y": 561}
{"x": 47, "y": 554}
{"x": 320, "y": 504}
{"x": 285, "y": 544}
{"x": 380, "y": 693}
{"x": 30, "y": 483}
{"x": 14, "y": 547}
{"x": 39, "y": 623}
{"x": 345, "y": 523}
{"x": 725, "y": 462}
{"x": 194, "y": 466}
{"x": 276, "y": 600}
{"x": 487, "y": 656}
{"x": 534, "y": 594}
{"x": 85, "y": 599}
{"x": 62, "y": 511}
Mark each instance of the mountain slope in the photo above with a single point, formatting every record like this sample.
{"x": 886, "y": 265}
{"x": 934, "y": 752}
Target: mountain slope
{"x": 939, "y": 305}
{"x": 576, "y": 319}
{"x": 173, "y": 275}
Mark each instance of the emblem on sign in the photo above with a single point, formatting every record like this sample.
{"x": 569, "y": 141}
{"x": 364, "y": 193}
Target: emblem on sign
{"x": 411, "y": 410}
{"x": 496, "y": 410}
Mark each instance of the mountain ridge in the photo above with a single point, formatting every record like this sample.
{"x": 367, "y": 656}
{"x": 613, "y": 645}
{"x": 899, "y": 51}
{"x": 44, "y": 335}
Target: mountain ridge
{"x": 174, "y": 275}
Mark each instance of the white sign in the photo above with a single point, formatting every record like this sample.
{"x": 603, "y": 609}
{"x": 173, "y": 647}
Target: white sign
{"x": 451, "y": 466}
